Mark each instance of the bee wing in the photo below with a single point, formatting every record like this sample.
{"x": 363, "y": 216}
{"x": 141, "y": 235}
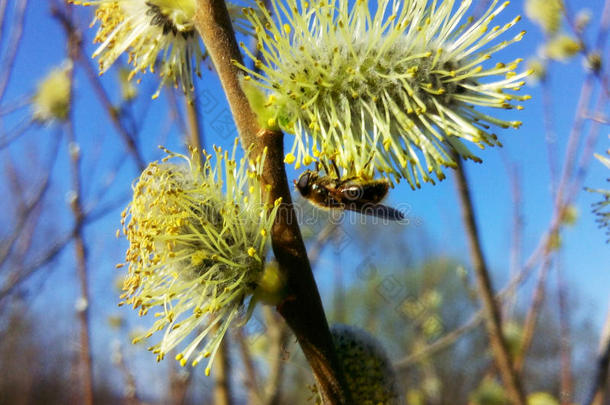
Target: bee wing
{"x": 370, "y": 192}
{"x": 377, "y": 210}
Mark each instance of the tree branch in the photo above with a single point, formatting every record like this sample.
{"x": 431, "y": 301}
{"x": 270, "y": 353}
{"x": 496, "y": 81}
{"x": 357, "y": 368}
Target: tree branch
{"x": 303, "y": 309}
{"x": 493, "y": 320}
{"x": 222, "y": 375}
{"x": 600, "y": 382}
{"x": 80, "y": 248}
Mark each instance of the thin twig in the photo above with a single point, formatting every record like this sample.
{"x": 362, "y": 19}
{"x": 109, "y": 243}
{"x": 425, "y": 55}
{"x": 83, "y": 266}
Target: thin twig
{"x": 566, "y": 391}
{"x": 531, "y": 317}
{"x": 441, "y": 343}
{"x": 587, "y": 154}
{"x": 113, "y": 113}
{"x": 278, "y": 335}
{"x": 573, "y": 142}
{"x": 315, "y": 250}
{"x": 550, "y": 135}
{"x": 278, "y": 338}
{"x": 179, "y": 382}
{"x": 303, "y": 309}
{"x": 540, "y": 252}
{"x": 27, "y": 207}
{"x": 27, "y": 271}
{"x": 175, "y": 114}
{"x": 251, "y": 377}
{"x": 600, "y": 381}
{"x": 131, "y": 394}
{"x": 195, "y": 134}
{"x": 23, "y": 100}
{"x": 516, "y": 231}
{"x": 474, "y": 321}
{"x": 80, "y": 249}
{"x": 3, "y": 4}
{"x": 13, "y": 134}
{"x": 493, "y": 320}
{"x": 222, "y": 373}
{"x": 8, "y": 61}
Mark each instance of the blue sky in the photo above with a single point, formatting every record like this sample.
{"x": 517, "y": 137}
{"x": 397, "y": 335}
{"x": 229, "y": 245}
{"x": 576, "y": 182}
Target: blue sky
{"x": 585, "y": 255}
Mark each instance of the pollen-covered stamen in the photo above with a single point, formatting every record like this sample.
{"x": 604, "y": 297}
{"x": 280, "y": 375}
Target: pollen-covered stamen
{"x": 396, "y": 85}
{"x": 157, "y": 35}
{"x": 197, "y": 236}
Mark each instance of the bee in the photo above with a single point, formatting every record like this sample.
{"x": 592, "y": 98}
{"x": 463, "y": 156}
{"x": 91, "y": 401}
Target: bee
{"x": 351, "y": 193}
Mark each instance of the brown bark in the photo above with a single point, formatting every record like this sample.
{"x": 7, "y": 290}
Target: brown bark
{"x": 493, "y": 320}
{"x": 222, "y": 375}
{"x": 303, "y": 309}
{"x": 80, "y": 250}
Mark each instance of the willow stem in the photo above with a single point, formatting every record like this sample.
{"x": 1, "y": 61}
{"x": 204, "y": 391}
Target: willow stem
{"x": 303, "y": 309}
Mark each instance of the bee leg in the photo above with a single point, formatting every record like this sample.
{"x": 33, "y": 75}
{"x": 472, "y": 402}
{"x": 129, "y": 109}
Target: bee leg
{"x": 332, "y": 161}
{"x": 368, "y": 162}
{"x": 325, "y": 166}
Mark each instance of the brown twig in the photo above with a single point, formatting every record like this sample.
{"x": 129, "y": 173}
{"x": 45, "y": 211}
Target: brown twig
{"x": 550, "y": 135}
{"x": 493, "y": 320}
{"x": 474, "y": 321}
{"x": 516, "y": 231}
{"x": 531, "y": 318}
{"x": 179, "y": 382}
{"x": 251, "y": 376}
{"x": 566, "y": 382}
{"x": 572, "y": 147}
{"x": 80, "y": 249}
{"x": 441, "y": 343}
{"x": 303, "y": 309}
{"x": 16, "y": 132}
{"x": 278, "y": 337}
{"x": 113, "y": 113}
{"x": 27, "y": 271}
{"x": 195, "y": 134}
{"x": 175, "y": 114}
{"x": 16, "y": 30}
{"x": 600, "y": 381}
{"x": 3, "y": 4}
{"x": 569, "y": 185}
{"x": 26, "y": 208}
{"x": 600, "y": 41}
{"x": 222, "y": 373}
{"x": 541, "y": 251}
{"x": 315, "y": 250}
{"x": 131, "y": 394}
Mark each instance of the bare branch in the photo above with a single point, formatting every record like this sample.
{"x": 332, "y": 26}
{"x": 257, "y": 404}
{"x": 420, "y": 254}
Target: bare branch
{"x": 598, "y": 391}
{"x": 13, "y": 46}
{"x": 251, "y": 377}
{"x": 493, "y": 320}
{"x": 566, "y": 383}
{"x": 278, "y": 336}
{"x": 222, "y": 374}
{"x": 531, "y": 319}
{"x": 80, "y": 249}
{"x": 127, "y": 137}
{"x": 195, "y": 132}
{"x": 303, "y": 309}
{"x": 27, "y": 208}
{"x": 15, "y": 133}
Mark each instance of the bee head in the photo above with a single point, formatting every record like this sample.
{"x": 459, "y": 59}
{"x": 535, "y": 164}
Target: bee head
{"x": 305, "y": 181}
